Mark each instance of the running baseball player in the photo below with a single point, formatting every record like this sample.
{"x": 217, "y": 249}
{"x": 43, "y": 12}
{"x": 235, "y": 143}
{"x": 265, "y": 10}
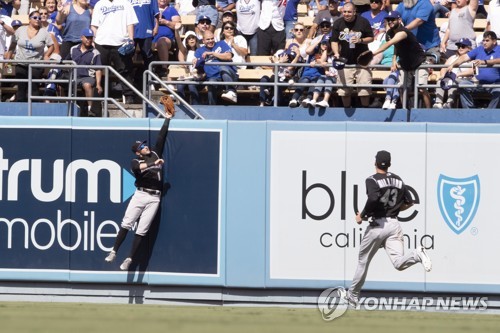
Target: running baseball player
{"x": 387, "y": 196}
{"x": 147, "y": 169}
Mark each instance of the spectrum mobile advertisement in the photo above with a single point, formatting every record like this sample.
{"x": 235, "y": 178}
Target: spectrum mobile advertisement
{"x": 64, "y": 192}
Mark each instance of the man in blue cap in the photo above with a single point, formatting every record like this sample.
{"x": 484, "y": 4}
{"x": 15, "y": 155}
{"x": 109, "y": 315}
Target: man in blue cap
{"x": 483, "y": 58}
{"x": 87, "y": 78}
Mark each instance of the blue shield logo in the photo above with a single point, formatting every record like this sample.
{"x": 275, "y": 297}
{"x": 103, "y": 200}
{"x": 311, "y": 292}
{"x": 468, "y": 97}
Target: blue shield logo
{"x": 458, "y": 200}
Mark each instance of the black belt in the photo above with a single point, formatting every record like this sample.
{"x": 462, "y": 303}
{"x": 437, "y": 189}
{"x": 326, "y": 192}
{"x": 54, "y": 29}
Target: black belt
{"x": 147, "y": 190}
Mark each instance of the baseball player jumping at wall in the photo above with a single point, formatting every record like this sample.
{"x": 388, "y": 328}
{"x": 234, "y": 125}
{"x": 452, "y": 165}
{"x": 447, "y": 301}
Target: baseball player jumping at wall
{"x": 147, "y": 169}
{"x": 387, "y": 196}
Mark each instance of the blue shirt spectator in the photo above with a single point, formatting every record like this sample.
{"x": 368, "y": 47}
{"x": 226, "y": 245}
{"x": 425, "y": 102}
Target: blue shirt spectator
{"x": 427, "y": 33}
{"x": 212, "y": 71}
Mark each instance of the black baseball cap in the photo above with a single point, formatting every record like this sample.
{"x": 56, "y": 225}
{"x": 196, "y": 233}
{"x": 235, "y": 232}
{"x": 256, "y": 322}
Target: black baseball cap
{"x": 137, "y": 145}
{"x": 383, "y": 159}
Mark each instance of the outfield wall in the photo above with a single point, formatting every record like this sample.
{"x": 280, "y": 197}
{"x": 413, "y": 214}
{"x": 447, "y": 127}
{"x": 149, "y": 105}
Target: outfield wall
{"x": 247, "y": 204}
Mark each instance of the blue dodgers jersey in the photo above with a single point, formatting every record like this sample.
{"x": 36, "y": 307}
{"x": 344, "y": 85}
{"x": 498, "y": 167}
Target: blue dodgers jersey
{"x": 146, "y": 10}
{"x": 219, "y": 47}
{"x": 486, "y": 74}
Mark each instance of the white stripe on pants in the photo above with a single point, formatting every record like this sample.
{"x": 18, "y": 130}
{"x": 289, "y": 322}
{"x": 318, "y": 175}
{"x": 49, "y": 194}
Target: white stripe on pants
{"x": 389, "y": 235}
{"x": 143, "y": 207}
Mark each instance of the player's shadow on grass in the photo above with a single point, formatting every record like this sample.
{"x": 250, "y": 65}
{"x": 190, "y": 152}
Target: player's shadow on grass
{"x": 140, "y": 262}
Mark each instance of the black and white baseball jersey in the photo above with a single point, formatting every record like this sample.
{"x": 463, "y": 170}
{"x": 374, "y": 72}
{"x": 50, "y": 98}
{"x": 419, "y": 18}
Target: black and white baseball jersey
{"x": 386, "y": 194}
{"x": 151, "y": 177}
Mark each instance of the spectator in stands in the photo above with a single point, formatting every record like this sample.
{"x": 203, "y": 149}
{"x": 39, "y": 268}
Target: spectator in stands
{"x": 418, "y": 17}
{"x": 51, "y": 28}
{"x": 52, "y": 8}
{"x": 5, "y": 30}
{"x": 248, "y": 14}
{"x": 216, "y": 52}
{"x": 271, "y": 33}
{"x": 226, "y": 17}
{"x": 148, "y": 16}
{"x": 75, "y": 17}
{"x": 285, "y": 74}
{"x": 330, "y": 76}
{"x": 203, "y": 23}
{"x": 376, "y": 17}
{"x": 187, "y": 49}
{"x": 408, "y": 56}
{"x": 113, "y": 25}
{"x": 464, "y": 45}
{"x": 350, "y": 37}
{"x": 441, "y": 8}
{"x": 310, "y": 74}
{"x": 30, "y": 41}
{"x": 185, "y": 7}
{"x": 481, "y": 10}
{"x": 7, "y": 7}
{"x": 164, "y": 40}
{"x": 324, "y": 16}
{"x": 224, "y": 6}
{"x": 493, "y": 21}
{"x": 460, "y": 25}
{"x": 361, "y": 5}
{"x": 325, "y": 28}
{"x": 207, "y": 8}
{"x": 300, "y": 38}
{"x": 87, "y": 78}
{"x": 485, "y": 56}
{"x": 291, "y": 16}
{"x": 315, "y": 6}
{"x": 237, "y": 43}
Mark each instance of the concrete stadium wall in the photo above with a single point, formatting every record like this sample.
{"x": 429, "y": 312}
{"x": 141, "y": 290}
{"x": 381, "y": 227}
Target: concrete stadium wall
{"x": 253, "y": 204}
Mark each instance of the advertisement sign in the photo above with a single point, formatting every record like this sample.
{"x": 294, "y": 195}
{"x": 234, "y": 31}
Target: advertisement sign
{"x": 317, "y": 183}
{"x": 64, "y": 192}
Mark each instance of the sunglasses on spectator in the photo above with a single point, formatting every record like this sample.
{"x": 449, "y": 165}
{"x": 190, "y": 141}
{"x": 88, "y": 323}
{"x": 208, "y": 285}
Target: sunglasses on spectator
{"x": 204, "y": 22}
{"x": 325, "y": 25}
{"x": 228, "y": 27}
{"x": 391, "y": 19}
{"x": 462, "y": 46}
{"x": 36, "y": 18}
{"x": 141, "y": 147}
{"x": 375, "y": 1}
{"x": 298, "y": 29}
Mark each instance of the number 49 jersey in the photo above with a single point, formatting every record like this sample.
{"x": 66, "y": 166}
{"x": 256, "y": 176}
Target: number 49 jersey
{"x": 386, "y": 193}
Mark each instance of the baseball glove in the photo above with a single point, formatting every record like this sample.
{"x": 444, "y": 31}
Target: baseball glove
{"x": 168, "y": 104}
{"x": 365, "y": 58}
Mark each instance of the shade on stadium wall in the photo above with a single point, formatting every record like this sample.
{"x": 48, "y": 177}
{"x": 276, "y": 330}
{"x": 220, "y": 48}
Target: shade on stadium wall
{"x": 246, "y": 204}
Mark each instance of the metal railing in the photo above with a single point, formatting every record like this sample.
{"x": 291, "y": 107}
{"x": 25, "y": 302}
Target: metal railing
{"x": 149, "y": 77}
{"x": 71, "y": 97}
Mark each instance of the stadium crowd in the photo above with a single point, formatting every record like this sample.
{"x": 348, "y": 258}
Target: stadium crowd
{"x": 110, "y": 32}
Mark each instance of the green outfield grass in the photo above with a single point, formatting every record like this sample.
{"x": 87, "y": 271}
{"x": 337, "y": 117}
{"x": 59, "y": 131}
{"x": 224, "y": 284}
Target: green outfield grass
{"x": 17, "y": 317}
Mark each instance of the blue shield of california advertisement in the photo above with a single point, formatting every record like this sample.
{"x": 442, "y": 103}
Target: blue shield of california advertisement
{"x": 458, "y": 199}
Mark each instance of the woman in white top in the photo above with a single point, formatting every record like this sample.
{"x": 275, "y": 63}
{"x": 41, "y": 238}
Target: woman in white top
{"x": 300, "y": 38}
{"x": 248, "y": 14}
{"x": 237, "y": 43}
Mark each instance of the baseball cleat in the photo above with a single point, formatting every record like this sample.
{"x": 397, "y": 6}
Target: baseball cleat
{"x": 111, "y": 256}
{"x": 351, "y": 299}
{"x": 424, "y": 258}
{"x": 126, "y": 264}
